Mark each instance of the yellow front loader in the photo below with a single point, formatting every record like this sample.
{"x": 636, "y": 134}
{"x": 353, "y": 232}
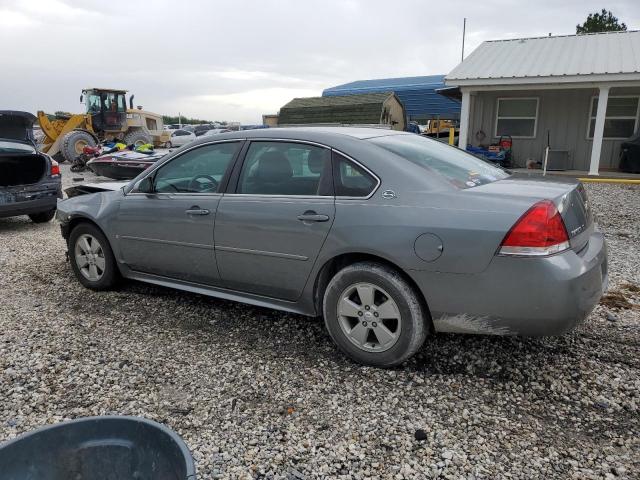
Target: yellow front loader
{"x": 106, "y": 118}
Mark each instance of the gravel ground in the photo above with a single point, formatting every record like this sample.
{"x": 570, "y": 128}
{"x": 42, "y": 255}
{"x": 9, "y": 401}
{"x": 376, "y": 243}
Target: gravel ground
{"x": 257, "y": 393}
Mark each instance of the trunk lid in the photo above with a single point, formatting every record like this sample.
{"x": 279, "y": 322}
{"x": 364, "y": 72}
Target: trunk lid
{"x": 569, "y": 196}
{"x": 17, "y": 126}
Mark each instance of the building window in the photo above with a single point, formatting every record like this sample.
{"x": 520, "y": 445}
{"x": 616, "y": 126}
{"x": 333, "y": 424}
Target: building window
{"x": 517, "y": 117}
{"x": 621, "y": 117}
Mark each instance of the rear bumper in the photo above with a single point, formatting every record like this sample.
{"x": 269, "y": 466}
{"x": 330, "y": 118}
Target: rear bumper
{"x": 519, "y": 296}
{"x": 35, "y": 203}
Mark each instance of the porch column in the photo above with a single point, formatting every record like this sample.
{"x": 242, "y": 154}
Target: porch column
{"x": 464, "y": 119}
{"x": 598, "y": 133}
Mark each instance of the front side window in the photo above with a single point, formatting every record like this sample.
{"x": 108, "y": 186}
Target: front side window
{"x": 197, "y": 171}
{"x": 350, "y": 179}
{"x": 93, "y": 103}
{"x": 620, "y": 119}
{"x": 456, "y": 166}
{"x": 281, "y": 168}
{"x": 517, "y": 117}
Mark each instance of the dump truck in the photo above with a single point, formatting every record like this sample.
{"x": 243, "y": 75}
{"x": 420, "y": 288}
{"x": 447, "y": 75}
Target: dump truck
{"x": 106, "y": 118}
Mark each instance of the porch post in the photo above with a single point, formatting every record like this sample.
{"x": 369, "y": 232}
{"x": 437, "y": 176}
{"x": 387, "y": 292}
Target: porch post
{"x": 598, "y": 133}
{"x": 464, "y": 119}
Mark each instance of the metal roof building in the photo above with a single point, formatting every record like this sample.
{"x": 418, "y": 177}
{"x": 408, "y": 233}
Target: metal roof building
{"x": 579, "y": 95}
{"x": 561, "y": 59}
{"x": 418, "y": 94}
{"x": 382, "y": 108}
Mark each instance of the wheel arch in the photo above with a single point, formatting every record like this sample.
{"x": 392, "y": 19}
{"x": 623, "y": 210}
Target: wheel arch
{"x": 337, "y": 263}
{"x": 77, "y": 220}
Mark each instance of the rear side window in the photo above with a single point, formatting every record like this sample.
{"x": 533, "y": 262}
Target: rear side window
{"x": 456, "y": 166}
{"x": 281, "y": 168}
{"x": 350, "y": 179}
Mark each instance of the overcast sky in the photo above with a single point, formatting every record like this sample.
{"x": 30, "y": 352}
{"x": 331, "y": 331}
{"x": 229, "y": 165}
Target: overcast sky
{"x": 235, "y": 60}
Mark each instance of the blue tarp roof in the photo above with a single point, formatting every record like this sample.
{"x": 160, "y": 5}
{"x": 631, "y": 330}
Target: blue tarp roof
{"x": 417, "y": 93}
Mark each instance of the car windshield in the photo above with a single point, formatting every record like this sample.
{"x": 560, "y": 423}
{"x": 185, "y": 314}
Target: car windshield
{"x": 460, "y": 168}
{"x": 15, "y": 147}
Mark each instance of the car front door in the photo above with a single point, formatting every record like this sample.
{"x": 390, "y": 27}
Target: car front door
{"x": 270, "y": 229}
{"x": 167, "y": 230}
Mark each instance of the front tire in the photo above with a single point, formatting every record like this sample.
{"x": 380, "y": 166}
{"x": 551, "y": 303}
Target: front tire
{"x": 74, "y": 142}
{"x": 374, "y": 315}
{"x": 91, "y": 258}
{"x": 137, "y": 137}
{"x": 43, "y": 217}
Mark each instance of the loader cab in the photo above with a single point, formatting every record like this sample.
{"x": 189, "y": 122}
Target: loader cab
{"x": 107, "y": 108}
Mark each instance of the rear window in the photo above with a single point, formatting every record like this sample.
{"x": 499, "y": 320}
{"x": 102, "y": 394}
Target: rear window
{"x": 458, "y": 167}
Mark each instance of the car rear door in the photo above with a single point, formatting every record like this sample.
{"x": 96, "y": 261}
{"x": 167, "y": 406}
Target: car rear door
{"x": 169, "y": 231}
{"x": 272, "y": 225}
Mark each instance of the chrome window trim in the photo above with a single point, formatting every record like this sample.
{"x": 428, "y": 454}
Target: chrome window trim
{"x": 160, "y": 164}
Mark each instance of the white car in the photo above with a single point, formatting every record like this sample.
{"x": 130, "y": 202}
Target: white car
{"x": 180, "y": 137}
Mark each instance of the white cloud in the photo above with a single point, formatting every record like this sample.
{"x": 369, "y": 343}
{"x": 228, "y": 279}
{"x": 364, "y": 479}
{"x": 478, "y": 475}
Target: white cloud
{"x": 236, "y": 60}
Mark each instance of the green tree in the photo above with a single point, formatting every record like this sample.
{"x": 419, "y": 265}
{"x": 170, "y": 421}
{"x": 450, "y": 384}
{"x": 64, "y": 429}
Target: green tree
{"x": 601, "y": 22}
{"x": 168, "y": 120}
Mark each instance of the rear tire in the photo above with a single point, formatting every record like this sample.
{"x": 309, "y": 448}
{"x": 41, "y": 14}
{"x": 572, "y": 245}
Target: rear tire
{"x": 137, "y": 137}
{"x": 43, "y": 217}
{"x": 374, "y": 315}
{"x": 91, "y": 258}
{"x": 73, "y": 142}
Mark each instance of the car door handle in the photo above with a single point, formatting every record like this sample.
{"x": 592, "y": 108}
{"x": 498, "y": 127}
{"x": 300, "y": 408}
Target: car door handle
{"x": 197, "y": 211}
{"x": 312, "y": 217}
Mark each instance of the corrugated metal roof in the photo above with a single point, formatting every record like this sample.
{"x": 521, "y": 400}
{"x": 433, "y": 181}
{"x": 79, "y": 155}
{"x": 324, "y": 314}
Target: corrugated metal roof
{"x": 418, "y": 94}
{"x": 611, "y": 53}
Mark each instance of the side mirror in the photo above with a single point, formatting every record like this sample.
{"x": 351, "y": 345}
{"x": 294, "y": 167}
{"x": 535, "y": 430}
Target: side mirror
{"x": 81, "y": 98}
{"x": 145, "y": 185}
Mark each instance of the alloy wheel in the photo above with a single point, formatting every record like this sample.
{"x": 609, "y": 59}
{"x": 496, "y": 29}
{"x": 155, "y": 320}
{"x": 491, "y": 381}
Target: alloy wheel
{"x": 369, "y": 317}
{"x": 89, "y": 257}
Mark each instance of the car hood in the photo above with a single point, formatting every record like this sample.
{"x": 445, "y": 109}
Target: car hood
{"x": 16, "y": 126}
{"x": 87, "y": 188}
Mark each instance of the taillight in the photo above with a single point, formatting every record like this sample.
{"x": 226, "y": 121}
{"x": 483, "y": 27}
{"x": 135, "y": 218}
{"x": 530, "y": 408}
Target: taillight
{"x": 540, "y": 231}
{"x": 55, "y": 168}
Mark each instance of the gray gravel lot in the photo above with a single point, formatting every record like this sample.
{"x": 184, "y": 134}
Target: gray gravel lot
{"x": 257, "y": 393}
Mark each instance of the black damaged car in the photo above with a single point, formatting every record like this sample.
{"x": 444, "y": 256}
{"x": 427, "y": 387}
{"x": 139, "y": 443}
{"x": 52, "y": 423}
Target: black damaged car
{"x": 30, "y": 182}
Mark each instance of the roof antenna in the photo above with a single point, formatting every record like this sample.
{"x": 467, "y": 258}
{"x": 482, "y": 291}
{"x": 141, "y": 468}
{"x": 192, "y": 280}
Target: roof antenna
{"x": 464, "y": 29}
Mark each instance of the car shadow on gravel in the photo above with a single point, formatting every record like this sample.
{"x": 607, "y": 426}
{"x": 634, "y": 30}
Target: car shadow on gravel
{"x": 20, "y": 224}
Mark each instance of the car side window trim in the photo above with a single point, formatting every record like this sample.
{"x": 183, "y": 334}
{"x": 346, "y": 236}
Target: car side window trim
{"x": 232, "y": 189}
{"x": 223, "y": 183}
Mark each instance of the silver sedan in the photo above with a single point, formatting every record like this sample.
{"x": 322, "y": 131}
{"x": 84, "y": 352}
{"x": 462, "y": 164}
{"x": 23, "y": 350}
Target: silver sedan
{"x": 388, "y": 235}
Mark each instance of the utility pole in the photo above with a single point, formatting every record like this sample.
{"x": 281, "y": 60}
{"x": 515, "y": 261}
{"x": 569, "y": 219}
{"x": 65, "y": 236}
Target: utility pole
{"x": 464, "y": 30}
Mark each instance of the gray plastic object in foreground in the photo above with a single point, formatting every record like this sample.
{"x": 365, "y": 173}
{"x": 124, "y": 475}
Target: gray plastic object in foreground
{"x": 98, "y": 448}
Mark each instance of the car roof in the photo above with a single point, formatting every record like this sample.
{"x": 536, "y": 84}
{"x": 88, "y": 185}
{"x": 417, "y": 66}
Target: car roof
{"x": 318, "y": 134}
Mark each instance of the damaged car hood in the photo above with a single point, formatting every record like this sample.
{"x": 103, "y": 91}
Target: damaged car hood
{"x": 87, "y": 188}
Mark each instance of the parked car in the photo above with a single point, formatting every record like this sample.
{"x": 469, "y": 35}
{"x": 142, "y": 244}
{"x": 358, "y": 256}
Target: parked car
{"x": 214, "y": 131}
{"x": 30, "y": 181}
{"x": 389, "y": 235}
{"x": 180, "y": 137}
{"x": 201, "y": 129}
